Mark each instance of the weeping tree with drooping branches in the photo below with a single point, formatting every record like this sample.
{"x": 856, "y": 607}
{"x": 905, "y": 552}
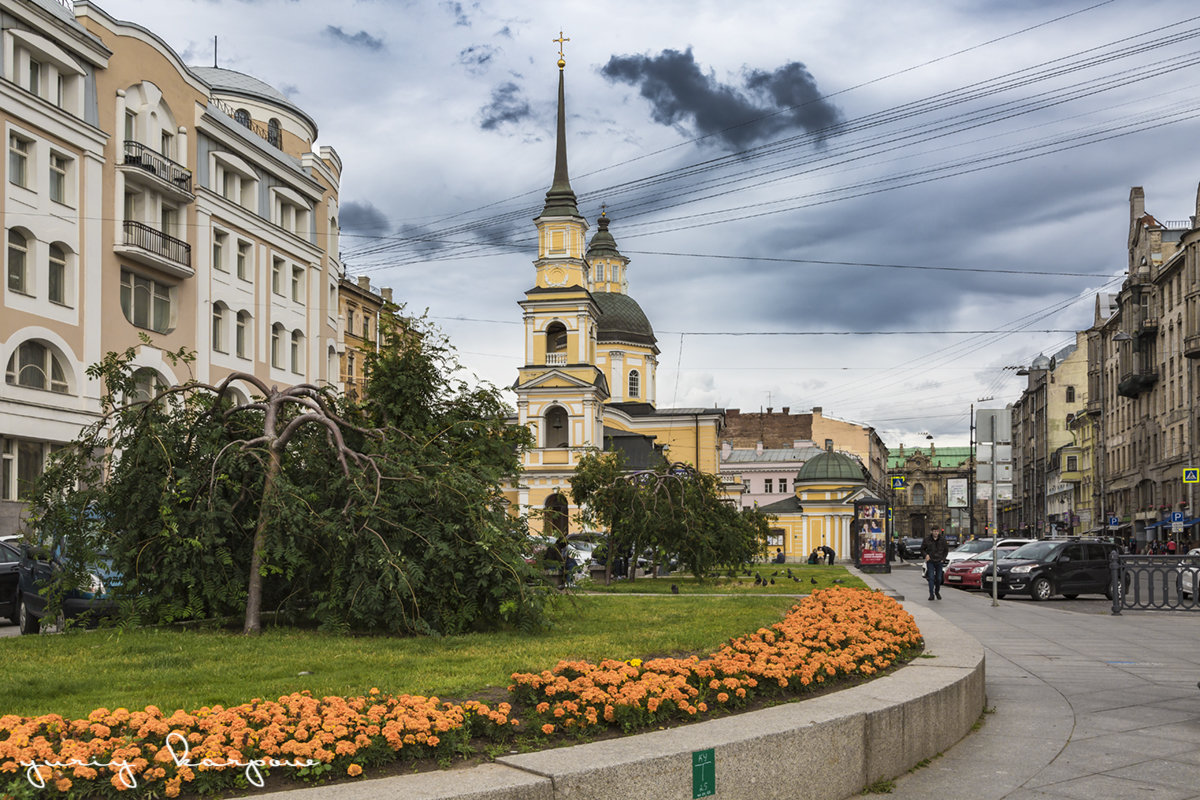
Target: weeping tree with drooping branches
{"x": 384, "y": 514}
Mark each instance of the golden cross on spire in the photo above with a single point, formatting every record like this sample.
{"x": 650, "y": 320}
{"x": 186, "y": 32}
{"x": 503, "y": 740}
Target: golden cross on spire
{"x": 560, "y": 40}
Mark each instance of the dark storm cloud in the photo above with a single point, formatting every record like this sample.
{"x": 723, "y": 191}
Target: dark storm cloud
{"x": 421, "y": 241}
{"x": 361, "y": 39}
{"x": 477, "y": 58}
{"x": 507, "y": 105}
{"x": 768, "y": 102}
{"x": 456, "y": 10}
{"x": 364, "y": 218}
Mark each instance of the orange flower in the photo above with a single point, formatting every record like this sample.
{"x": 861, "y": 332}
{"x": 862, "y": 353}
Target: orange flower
{"x": 547, "y": 729}
{"x": 354, "y": 770}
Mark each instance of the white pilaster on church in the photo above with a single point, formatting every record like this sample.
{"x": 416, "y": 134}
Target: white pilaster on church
{"x": 581, "y": 340}
{"x": 616, "y": 384}
{"x": 529, "y": 332}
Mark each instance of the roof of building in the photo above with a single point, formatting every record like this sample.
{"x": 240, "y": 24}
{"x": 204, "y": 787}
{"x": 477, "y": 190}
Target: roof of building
{"x": 622, "y": 320}
{"x": 830, "y": 466}
{"x": 603, "y": 243}
{"x": 788, "y": 505}
{"x": 230, "y": 81}
{"x": 746, "y": 456}
{"x": 942, "y": 456}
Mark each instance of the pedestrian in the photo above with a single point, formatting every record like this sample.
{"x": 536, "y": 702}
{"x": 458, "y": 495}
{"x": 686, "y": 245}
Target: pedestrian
{"x": 829, "y": 554}
{"x": 935, "y": 551}
{"x": 1171, "y": 547}
{"x": 815, "y": 556}
{"x": 779, "y": 556}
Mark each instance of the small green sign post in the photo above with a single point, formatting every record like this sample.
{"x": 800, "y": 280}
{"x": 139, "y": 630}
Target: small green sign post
{"x": 704, "y": 774}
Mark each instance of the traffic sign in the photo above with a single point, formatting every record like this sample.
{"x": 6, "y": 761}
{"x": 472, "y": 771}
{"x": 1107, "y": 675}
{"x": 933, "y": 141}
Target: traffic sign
{"x": 1191, "y": 474}
{"x": 898, "y": 482}
{"x": 1113, "y": 522}
{"x": 1176, "y": 516}
{"x": 1176, "y": 527}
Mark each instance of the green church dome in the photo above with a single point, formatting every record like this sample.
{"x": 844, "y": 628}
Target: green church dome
{"x": 603, "y": 243}
{"x": 622, "y": 320}
{"x": 831, "y": 468}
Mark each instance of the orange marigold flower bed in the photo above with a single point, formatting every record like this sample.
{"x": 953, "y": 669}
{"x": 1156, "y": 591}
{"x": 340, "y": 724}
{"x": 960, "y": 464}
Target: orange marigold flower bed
{"x": 832, "y": 633}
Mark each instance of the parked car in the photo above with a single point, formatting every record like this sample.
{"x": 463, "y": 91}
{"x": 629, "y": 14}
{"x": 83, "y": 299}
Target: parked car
{"x": 971, "y": 549}
{"x": 967, "y": 573}
{"x": 909, "y": 547}
{"x": 10, "y": 560}
{"x": 38, "y": 565}
{"x": 1046, "y": 568}
{"x": 1189, "y": 574}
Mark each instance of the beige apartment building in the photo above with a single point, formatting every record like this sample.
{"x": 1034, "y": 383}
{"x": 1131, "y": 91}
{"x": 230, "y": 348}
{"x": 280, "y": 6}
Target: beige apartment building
{"x": 144, "y": 196}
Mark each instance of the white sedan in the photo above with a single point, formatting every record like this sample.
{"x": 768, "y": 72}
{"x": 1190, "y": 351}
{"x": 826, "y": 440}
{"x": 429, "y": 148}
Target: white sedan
{"x": 1189, "y": 574}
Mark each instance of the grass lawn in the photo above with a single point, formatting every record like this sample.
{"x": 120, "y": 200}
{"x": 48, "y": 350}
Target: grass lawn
{"x": 741, "y": 585}
{"x": 75, "y": 673}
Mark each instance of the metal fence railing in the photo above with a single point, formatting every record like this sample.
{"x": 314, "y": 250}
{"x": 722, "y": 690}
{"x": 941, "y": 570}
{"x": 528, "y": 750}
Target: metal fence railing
{"x": 1154, "y": 583}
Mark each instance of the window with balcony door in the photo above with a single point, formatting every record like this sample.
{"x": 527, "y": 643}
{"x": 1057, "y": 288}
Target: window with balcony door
{"x": 145, "y": 302}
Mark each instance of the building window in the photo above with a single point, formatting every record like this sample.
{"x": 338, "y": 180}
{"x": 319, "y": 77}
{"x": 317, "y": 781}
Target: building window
{"x": 18, "y": 160}
{"x": 635, "y": 383}
{"x": 829, "y": 445}
{"x": 60, "y": 97}
{"x": 297, "y": 352}
{"x": 273, "y": 132}
{"x": 783, "y": 485}
{"x": 557, "y": 432}
{"x": 145, "y": 302}
{"x": 59, "y": 166}
{"x": 167, "y": 145}
{"x": 35, "y": 366}
{"x": 350, "y": 318}
{"x": 35, "y": 77}
{"x": 243, "y": 117}
{"x": 600, "y": 273}
{"x": 277, "y": 276}
{"x": 556, "y": 338}
{"x": 218, "y": 328}
{"x": 21, "y": 464}
{"x": 147, "y": 384}
{"x": 298, "y": 284}
{"x": 218, "y": 253}
{"x": 350, "y": 367}
{"x": 277, "y": 346}
{"x": 243, "y": 261}
{"x": 168, "y": 221}
{"x": 767, "y": 486}
{"x": 18, "y": 275}
{"x": 366, "y": 327}
{"x": 1070, "y": 394}
{"x": 57, "y": 275}
{"x": 130, "y": 126}
{"x": 918, "y": 495}
{"x": 240, "y": 334}
{"x": 1073, "y": 463}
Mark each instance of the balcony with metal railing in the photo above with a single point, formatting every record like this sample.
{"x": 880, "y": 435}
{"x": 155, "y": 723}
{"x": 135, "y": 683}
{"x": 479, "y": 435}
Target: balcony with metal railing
{"x": 152, "y": 247}
{"x": 143, "y": 165}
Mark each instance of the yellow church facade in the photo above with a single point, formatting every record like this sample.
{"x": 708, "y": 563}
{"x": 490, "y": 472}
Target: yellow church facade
{"x": 589, "y": 376}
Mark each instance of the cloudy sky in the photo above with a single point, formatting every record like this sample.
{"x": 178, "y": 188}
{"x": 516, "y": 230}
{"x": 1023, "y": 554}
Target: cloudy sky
{"x": 876, "y": 208}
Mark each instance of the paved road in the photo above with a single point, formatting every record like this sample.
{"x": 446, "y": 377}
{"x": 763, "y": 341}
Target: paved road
{"x": 1087, "y": 705}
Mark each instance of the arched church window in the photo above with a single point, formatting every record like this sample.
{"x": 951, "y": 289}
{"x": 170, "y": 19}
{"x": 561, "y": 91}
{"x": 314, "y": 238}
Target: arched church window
{"x": 635, "y": 383}
{"x": 556, "y": 337}
{"x": 557, "y": 515}
{"x": 273, "y": 132}
{"x": 918, "y": 495}
{"x": 557, "y": 433}
{"x": 243, "y": 117}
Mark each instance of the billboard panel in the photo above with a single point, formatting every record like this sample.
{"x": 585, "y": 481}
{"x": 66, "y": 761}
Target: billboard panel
{"x": 956, "y": 493}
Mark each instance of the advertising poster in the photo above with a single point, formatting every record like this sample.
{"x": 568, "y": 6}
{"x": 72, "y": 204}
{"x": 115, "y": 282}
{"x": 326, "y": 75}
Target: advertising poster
{"x": 956, "y": 493}
{"x": 872, "y": 541}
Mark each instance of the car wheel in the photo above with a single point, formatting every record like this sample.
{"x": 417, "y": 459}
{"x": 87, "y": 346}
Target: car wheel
{"x": 1040, "y": 589}
{"x": 1070, "y": 596}
{"x": 27, "y": 622}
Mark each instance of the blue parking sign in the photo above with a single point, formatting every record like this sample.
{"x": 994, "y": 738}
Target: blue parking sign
{"x": 1176, "y": 516}
{"x": 1113, "y": 522}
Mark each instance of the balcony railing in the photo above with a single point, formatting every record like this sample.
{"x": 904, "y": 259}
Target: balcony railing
{"x": 270, "y": 134}
{"x": 138, "y": 155}
{"x": 138, "y": 234}
{"x": 1191, "y": 345}
{"x": 556, "y": 359}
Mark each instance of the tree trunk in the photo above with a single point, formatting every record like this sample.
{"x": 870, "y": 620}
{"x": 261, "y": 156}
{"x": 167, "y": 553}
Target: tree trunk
{"x": 253, "y": 622}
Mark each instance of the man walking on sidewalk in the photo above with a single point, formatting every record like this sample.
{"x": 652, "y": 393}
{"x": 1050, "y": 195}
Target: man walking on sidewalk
{"x": 935, "y": 550}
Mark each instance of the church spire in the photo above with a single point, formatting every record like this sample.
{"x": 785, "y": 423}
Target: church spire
{"x": 560, "y": 200}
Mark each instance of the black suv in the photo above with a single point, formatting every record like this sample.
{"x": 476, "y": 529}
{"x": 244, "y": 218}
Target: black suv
{"x": 87, "y": 603}
{"x": 1047, "y": 568}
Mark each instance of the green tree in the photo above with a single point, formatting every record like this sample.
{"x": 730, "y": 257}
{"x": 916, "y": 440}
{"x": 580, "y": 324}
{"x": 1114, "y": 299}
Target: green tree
{"x": 671, "y": 509}
{"x": 380, "y": 515}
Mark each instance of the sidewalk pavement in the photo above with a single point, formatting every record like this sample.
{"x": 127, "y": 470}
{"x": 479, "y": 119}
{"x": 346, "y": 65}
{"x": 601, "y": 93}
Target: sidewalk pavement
{"x": 1087, "y": 705}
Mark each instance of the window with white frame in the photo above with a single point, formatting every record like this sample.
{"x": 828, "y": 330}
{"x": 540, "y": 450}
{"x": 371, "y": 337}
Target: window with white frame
{"x": 767, "y": 486}
{"x": 36, "y": 366}
{"x": 277, "y": 346}
{"x": 60, "y": 173}
{"x": 167, "y": 145}
{"x": 147, "y": 384}
{"x": 240, "y": 334}
{"x": 218, "y": 328}
{"x": 290, "y": 213}
{"x": 18, "y": 267}
{"x": 56, "y": 275}
{"x": 635, "y": 383}
{"x": 145, "y": 302}
{"x": 298, "y": 284}
{"x": 244, "y": 260}
{"x": 19, "y": 151}
{"x": 22, "y": 462}
{"x": 219, "y": 248}
{"x": 297, "y": 352}
{"x": 34, "y": 77}
{"x": 277, "y": 276}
